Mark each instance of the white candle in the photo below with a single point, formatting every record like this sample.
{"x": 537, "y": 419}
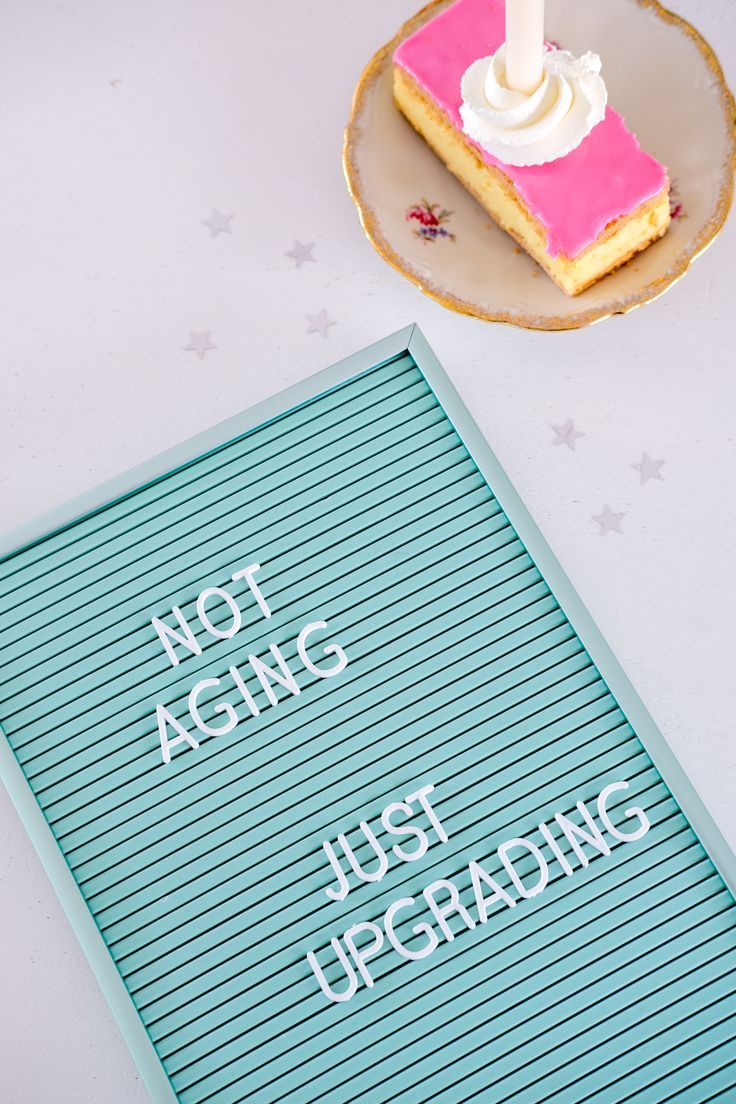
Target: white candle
{"x": 524, "y": 44}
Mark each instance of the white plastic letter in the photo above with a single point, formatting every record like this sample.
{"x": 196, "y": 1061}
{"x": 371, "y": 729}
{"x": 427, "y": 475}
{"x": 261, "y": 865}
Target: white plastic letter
{"x": 245, "y": 692}
{"x": 264, "y": 673}
{"x": 574, "y": 833}
{"x": 328, "y": 649}
{"x": 327, "y": 989}
{"x": 221, "y": 634}
{"x": 627, "y": 837}
{"x": 479, "y": 877}
{"x": 418, "y": 929}
{"x": 555, "y": 848}
{"x": 342, "y": 881}
{"x": 378, "y": 850}
{"x": 165, "y": 718}
{"x": 166, "y": 634}
{"x": 221, "y": 707}
{"x": 441, "y": 912}
{"x": 369, "y": 951}
{"x": 404, "y": 830}
{"x": 532, "y": 848}
{"x": 421, "y": 797}
{"x": 247, "y": 573}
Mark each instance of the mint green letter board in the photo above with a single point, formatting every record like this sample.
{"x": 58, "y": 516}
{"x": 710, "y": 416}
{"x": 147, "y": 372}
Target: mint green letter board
{"x": 335, "y": 618}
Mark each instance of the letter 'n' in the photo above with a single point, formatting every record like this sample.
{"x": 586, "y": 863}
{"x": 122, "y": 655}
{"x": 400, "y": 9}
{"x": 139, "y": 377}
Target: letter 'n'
{"x": 186, "y": 637}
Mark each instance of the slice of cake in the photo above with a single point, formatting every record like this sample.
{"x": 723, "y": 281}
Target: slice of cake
{"x": 580, "y": 213}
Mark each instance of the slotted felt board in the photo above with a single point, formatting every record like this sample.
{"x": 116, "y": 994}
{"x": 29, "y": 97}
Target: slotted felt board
{"x": 434, "y": 642}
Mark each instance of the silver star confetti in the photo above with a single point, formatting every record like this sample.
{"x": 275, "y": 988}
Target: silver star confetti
{"x": 567, "y": 434}
{"x": 301, "y": 253}
{"x": 218, "y": 223}
{"x": 609, "y": 521}
{"x": 200, "y": 343}
{"x": 649, "y": 469}
{"x": 320, "y": 323}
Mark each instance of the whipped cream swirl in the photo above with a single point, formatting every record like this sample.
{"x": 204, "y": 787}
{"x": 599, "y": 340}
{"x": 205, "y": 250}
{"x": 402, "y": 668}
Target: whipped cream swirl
{"x": 532, "y": 130}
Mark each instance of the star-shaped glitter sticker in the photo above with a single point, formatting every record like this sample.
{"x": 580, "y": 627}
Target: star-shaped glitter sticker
{"x": 319, "y": 323}
{"x": 200, "y": 343}
{"x": 301, "y": 253}
{"x": 648, "y": 468}
{"x": 218, "y": 223}
{"x": 567, "y": 434}
{"x": 609, "y": 521}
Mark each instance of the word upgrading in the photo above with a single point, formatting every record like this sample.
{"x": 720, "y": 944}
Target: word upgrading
{"x": 524, "y": 868}
{"x": 215, "y": 692}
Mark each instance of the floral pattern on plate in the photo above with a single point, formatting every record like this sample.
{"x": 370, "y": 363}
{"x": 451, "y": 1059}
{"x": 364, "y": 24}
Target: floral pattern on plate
{"x": 429, "y": 221}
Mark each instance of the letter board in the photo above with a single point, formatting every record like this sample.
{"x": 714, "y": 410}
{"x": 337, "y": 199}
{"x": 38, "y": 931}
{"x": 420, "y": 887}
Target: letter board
{"x": 342, "y": 790}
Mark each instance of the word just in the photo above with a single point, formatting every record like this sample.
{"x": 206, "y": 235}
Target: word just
{"x": 219, "y": 614}
{"x": 414, "y": 928}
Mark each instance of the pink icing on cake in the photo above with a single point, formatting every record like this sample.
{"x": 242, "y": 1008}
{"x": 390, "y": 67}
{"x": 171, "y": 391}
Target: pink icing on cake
{"x": 575, "y": 198}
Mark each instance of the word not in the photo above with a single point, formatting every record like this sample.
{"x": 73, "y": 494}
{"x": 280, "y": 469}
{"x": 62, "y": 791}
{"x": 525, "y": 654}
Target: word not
{"x": 185, "y": 637}
{"x": 443, "y": 899}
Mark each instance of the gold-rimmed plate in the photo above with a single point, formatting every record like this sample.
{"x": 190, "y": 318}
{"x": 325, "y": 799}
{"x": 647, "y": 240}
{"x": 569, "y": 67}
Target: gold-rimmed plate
{"x": 666, "y": 81}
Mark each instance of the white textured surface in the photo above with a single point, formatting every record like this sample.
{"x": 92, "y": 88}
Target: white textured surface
{"x": 106, "y": 267}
